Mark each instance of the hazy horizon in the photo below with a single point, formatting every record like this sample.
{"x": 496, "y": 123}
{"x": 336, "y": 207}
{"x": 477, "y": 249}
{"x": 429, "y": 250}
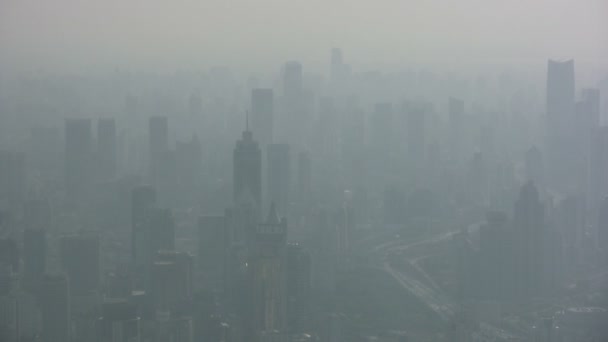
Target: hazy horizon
{"x": 155, "y": 35}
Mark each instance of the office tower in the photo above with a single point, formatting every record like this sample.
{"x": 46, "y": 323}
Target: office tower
{"x": 118, "y": 322}
{"x": 325, "y": 258}
{"x": 158, "y": 233}
{"x": 158, "y": 134}
{"x": 171, "y": 279}
{"x": 143, "y": 199}
{"x": 562, "y": 148}
{"x": 292, "y": 81}
{"x": 262, "y": 115}
{"x": 106, "y": 149}
{"x": 416, "y": 128}
{"x": 456, "y": 126}
{"x": 78, "y": 159}
{"x": 212, "y": 247}
{"x": 247, "y": 169}
{"x": 12, "y": 180}
{"x": 268, "y": 272}
{"x": 560, "y": 95}
{"x": 298, "y": 286}
{"x": 528, "y": 229}
{"x": 293, "y": 125}
{"x": 279, "y": 176}
{"x": 338, "y": 70}
{"x": 590, "y": 101}
{"x": 55, "y": 308}
{"x": 80, "y": 259}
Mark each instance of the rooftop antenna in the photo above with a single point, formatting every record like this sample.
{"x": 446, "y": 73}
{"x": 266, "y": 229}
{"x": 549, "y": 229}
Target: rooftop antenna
{"x": 247, "y": 120}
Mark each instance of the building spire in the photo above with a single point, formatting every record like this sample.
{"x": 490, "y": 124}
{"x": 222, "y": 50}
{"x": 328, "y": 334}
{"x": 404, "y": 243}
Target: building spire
{"x": 246, "y": 120}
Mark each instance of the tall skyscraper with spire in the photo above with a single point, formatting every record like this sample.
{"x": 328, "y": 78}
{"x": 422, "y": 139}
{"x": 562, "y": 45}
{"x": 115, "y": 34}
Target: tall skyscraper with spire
{"x": 247, "y": 168}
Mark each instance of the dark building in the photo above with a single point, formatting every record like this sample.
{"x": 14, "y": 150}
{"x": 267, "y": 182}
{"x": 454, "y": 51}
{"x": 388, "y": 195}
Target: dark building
{"x": 55, "y": 308}
{"x": 262, "y": 115}
{"x": 247, "y": 169}
{"x": 78, "y": 159}
{"x": 106, "y": 149}
{"x": 279, "y": 176}
{"x": 80, "y": 259}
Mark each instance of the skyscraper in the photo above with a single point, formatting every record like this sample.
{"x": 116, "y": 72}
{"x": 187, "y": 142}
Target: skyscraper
{"x": 562, "y": 147}
{"x": 268, "y": 272}
{"x": 247, "y": 169}
{"x": 292, "y": 80}
{"x": 78, "y": 158}
{"x": 279, "y": 176}
{"x": 106, "y": 149}
{"x": 262, "y": 115}
{"x": 560, "y": 95}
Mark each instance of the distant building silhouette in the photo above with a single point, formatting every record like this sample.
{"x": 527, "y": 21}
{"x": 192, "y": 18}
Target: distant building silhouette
{"x": 158, "y": 134}
{"x": 78, "y": 159}
{"x": 279, "y": 176}
{"x": 269, "y": 276}
{"x": 247, "y": 169}
{"x": 262, "y": 115}
{"x": 106, "y": 149}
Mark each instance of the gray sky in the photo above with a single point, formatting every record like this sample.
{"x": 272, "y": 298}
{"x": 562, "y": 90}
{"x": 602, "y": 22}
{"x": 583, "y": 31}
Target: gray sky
{"x": 264, "y": 33}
